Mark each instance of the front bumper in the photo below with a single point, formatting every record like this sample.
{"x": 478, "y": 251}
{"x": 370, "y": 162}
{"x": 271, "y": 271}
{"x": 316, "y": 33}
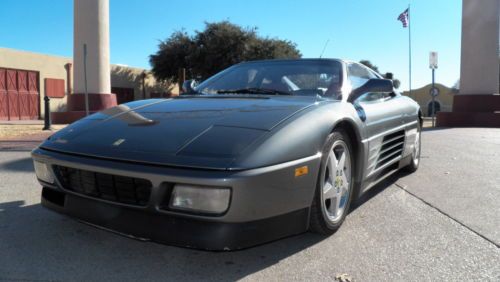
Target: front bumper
{"x": 266, "y": 203}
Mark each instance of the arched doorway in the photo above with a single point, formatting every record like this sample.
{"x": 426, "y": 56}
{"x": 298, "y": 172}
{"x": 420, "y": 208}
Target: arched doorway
{"x": 437, "y": 108}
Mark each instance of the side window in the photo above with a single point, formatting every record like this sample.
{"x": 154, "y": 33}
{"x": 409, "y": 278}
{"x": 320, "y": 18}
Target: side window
{"x": 372, "y": 97}
{"x": 358, "y": 75}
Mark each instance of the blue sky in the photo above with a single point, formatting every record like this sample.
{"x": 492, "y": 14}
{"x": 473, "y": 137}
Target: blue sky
{"x": 356, "y": 29}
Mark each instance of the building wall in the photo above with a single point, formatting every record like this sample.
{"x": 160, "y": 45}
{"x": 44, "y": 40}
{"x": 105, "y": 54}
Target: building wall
{"x": 423, "y": 98}
{"x": 130, "y": 77}
{"x": 50, "y": 66}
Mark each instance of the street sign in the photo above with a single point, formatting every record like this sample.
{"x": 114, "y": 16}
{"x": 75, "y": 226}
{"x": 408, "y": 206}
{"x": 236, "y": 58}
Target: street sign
{"x": 433, "y": 60}
{"x": 434, "y": 91}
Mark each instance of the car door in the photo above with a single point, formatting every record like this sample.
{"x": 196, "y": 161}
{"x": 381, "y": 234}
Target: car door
{"x": 382, "y": 120}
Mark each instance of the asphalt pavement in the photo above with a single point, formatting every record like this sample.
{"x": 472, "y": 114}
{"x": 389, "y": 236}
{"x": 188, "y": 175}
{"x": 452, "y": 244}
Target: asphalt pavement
{"x": 440, "y": 223}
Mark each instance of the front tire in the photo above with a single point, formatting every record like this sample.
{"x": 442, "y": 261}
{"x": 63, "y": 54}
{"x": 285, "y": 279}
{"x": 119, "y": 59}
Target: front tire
{"x": 415, "y": 156}
{"x": 334, "y": 187}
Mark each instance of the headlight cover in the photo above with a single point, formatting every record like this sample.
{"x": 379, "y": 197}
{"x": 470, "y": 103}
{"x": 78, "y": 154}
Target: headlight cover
{"x": 43, "y": 172}
{"x": 200, "y": 199}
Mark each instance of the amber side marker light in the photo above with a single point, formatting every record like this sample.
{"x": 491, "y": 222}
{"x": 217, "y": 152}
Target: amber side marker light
{"x": 303, "y": 170}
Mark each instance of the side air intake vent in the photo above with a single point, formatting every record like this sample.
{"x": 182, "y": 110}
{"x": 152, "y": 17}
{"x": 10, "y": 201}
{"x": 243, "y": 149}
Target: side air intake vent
{"x": 392, "y": 147}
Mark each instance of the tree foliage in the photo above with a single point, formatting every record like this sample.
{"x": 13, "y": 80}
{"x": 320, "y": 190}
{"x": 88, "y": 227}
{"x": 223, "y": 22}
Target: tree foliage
{"x": 217, "y": 47}
{"x": 387, "y": 75}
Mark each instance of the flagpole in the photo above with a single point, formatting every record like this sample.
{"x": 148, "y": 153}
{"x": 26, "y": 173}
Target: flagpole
{"x": 409, "y": 47}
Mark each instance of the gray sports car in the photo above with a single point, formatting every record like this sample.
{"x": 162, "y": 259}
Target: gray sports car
{"x": 260, "y": 151}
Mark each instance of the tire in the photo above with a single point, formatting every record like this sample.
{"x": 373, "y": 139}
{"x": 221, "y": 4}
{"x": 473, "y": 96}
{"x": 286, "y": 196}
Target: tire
{"x": 325, "y": 218}
{"x": 415, "y": 156}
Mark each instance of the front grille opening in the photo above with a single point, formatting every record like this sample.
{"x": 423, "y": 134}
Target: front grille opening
{"x": 53, "y": 196}
{"x": 115, "y": 188}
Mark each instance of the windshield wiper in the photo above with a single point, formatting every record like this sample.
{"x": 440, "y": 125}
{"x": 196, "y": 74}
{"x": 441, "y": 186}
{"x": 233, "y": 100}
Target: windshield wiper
{"x": 253, "y": 91}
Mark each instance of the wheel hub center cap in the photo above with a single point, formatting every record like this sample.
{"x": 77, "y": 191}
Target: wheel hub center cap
{"x": 338, "y": 181}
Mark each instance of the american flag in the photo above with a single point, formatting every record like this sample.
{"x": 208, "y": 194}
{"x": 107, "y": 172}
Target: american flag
{"x": 404, "y": 18}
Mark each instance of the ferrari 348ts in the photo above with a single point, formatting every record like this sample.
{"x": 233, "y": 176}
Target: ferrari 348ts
{"x": 259, "y": 151}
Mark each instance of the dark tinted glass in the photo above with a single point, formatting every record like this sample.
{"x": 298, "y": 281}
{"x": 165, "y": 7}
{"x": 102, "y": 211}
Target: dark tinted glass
{"x": 307, "y": 77}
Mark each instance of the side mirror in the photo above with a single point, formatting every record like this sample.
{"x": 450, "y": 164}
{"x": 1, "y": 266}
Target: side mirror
{"x": 374, "y": 85}
{"x": 188, "y": 87}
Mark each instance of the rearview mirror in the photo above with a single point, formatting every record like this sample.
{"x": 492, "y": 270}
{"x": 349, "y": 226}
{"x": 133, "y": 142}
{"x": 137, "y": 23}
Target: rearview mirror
{"x": 188, "y": 87}
{"x": 374, "y": 85}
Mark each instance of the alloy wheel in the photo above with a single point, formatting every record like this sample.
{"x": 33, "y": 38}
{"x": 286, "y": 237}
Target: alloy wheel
{"x": 336, "y": 185}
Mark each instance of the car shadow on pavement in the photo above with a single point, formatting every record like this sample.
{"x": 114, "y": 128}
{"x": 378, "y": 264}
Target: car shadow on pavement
{"x": 19, "y": 165}
{"x": 38, "y": 244}
{"x": 375, "y": 190}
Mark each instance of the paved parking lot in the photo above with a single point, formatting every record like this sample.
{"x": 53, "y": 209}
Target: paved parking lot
{"x": 441, "y": 223}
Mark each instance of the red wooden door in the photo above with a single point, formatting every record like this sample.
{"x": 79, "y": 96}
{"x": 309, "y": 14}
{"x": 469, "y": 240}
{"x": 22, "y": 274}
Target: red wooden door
{"x": 4, "y": 102}
{"x": 34, "y": 95}
{"x": 12, "y": 94}
{"x": 24, "y": 97}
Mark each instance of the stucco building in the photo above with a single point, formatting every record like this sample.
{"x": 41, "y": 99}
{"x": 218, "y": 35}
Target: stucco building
{"x": 443, "y": 102}
{"x": 26, "y": 78}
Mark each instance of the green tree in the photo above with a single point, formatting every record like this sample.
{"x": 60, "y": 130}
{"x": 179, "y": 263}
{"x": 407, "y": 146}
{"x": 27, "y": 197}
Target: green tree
{"x": 387, "y": 75}
{"x": 174, "y": 53}
{"x": 217, "y": 47}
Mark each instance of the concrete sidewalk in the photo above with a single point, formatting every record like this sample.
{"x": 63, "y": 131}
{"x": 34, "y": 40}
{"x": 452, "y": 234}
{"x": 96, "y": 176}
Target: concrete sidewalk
{"x": 24, "y": 135}
{"x": 460, "y": 177}
{"x": 22, "y": 122}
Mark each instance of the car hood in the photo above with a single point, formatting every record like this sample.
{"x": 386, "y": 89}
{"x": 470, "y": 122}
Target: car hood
{"x": 199, "y": 132}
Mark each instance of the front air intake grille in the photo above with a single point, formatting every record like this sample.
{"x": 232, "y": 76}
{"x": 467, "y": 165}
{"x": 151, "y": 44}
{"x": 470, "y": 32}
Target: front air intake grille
{"x": 392, "y": 147}
{"x": 120, "y": 189}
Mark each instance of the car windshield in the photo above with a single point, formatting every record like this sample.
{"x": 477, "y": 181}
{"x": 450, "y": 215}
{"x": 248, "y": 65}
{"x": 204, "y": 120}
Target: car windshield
{"x": 294, "y": 77}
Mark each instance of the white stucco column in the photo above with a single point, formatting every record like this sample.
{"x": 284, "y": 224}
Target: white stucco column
{"x": 91, "y": 27}
{"x": 479, "y": 71}
{"x": 478, "y": 102}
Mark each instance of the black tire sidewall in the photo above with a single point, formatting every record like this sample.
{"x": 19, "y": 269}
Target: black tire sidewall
{"x": 419, "y": 134}
{"x": 412, "y": 166}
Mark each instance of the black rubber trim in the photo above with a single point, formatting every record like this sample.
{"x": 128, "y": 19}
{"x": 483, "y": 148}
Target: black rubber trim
{"x": 179, "y": 231}
{"x": 54, "y": 196}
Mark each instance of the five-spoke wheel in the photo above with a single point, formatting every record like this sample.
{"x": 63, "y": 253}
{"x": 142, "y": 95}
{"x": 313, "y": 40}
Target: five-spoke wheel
{"x": 334, "y": 188}
{"x": 336, "y": 181}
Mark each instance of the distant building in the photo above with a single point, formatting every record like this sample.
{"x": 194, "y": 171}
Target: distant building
{"x": 26, "y": 78}
{"x": 443, "y": 102}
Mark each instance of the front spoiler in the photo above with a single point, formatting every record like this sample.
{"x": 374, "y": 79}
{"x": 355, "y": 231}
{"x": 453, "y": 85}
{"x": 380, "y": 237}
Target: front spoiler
{"x": 174, "y": 230}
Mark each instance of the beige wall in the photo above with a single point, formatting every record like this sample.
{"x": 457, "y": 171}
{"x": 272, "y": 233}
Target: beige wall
{"x": 47, "y": 66}
{"x": 50, "y": 66}
{"x": 423, "y": 98}
{"x": 130, "y": 77}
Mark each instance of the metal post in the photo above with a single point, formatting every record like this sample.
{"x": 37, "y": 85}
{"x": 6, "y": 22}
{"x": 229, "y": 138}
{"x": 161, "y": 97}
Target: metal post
{"x": 182, "y": 78}
{"x": 85, "y": 79}
{"x": 409, "y": 48}
{"x": 433, "y": 100}
{"x": 47, "y": 121}
{"x": 143, "y": 85}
